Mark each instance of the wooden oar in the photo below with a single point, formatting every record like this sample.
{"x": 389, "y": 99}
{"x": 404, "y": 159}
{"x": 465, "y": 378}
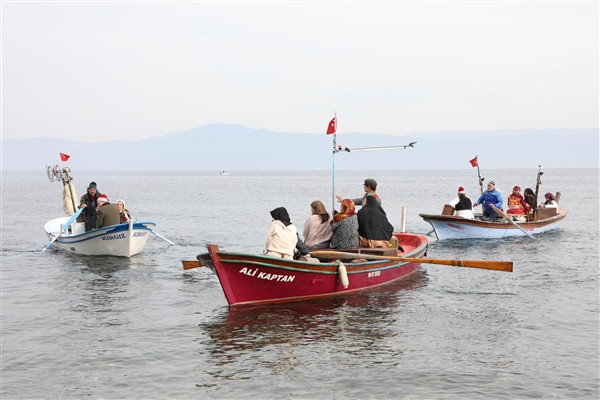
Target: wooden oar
{"x": 189, "y": 264}
{"x": 506, "y": 266}
{"x": 506, "y": 217}
{"x": 162, "y": 237}
{"x": 200, "y": 262}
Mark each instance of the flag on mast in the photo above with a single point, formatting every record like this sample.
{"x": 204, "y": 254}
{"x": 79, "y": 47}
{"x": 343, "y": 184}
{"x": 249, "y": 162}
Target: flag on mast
{"x": 332, "y": 128}
{"x": 64, "y": 157}
{"x": 474, "y": 162}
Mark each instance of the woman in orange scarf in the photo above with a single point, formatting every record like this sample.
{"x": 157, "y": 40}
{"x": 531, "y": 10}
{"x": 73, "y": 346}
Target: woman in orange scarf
{"x": 345, "y": 227}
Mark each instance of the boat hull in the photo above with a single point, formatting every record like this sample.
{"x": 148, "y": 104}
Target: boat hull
{"x": 123, "y": 240}
{"x": 255, "y": 279}
{"x": 453, "y": 227}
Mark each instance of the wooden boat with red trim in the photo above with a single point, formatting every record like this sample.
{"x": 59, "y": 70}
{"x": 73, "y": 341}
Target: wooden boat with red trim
{"x": 454, "y": 227}
{"x": 257, "y": 279}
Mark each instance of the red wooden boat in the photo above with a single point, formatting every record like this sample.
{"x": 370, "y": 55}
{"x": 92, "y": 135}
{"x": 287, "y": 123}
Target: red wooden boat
{"x": 257, "y": 279}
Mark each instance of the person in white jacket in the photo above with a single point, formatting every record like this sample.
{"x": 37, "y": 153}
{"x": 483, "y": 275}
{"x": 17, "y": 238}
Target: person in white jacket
{"x": 282, "y": 236}
{"x": 462, "y": 205}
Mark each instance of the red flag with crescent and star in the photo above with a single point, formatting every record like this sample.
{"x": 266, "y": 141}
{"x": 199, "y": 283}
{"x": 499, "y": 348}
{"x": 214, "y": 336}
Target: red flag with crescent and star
{"x": 332, "y": 126}
{"x": 64, "y": 157}
{"x": 474, "y": 162}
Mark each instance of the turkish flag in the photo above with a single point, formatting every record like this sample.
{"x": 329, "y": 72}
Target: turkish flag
{"x": 474, "y": 162}
{"x": 332, "y": 126}
{"x": 64, "y": 157}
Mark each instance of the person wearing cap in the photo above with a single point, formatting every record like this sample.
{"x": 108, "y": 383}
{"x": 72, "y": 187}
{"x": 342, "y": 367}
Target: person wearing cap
{"x": 88, "y": 203}
{"x": 370, "y": 186}
{"x": 107, "y": 213}
{"x": 550, "y": 201}
{"x": 490, "y": 197}
{"x": 463, "y": 206}
{"x": 517, "y": 206}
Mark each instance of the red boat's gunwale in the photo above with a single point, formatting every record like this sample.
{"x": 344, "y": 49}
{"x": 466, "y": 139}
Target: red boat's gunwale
{"x": 256, "y": 279}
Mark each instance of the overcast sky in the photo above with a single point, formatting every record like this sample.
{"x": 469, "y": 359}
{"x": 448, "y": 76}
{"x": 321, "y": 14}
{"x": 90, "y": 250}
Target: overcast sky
{"x": 97, "y": 71}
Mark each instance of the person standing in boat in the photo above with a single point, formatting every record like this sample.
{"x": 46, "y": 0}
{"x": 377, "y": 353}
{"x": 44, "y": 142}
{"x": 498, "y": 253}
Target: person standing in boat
{"x": 370, "y": 186}
{"x": 345, "y": 227}
{"x": 517, "y": 206}
{"x": 88, "y": 203}
{"x": 107, "y": 213}
{"x": 489, "y": 198}
{"x": 463, "y": 206}
{"x": 317, "y": 229}
{"x": 374, "y": 229}
{"x": 282, "y": 236}
{"x": 550, "y": 201}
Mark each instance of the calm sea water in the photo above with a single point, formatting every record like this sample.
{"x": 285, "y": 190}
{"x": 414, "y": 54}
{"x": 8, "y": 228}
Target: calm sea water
{"x": 102, "y": 327}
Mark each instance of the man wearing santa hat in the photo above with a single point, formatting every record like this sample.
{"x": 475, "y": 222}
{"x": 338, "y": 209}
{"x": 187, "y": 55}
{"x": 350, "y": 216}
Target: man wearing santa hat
{"x": 107, "y": 213}
{"x": 462, "y": 205}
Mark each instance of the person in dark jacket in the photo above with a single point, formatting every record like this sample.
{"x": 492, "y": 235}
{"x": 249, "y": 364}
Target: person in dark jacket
{"x": 374, "y": 229}
{"x": 107, "y": 213}
{"x": 88, "y": 203}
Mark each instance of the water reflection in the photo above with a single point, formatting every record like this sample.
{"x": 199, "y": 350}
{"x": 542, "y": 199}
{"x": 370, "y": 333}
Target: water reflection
{"x": 99, "y": 289}
{"x": 279, "y": 336}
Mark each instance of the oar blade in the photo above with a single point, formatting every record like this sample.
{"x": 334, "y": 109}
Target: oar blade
{"x": 190, "y": 264}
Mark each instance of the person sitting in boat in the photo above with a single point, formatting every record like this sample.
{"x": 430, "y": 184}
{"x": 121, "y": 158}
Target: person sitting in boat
{"x": 516, "y": 203}
{"x": 282, "y": 236}
{"x": 317, "y": 229}
{"x": 463, "y": 206}
{"x": 489, "y": 198}
{"x": 550, "y": 201}
{"x": 107, "y": 213}
{"x": 374, "y": 229}
{"x": 530, "y": 198}
{"x": 345, "y": 227}
{"x": 89, "y": 203}
{"x": 370, "y": 186}
{"x": 124, "y": 214}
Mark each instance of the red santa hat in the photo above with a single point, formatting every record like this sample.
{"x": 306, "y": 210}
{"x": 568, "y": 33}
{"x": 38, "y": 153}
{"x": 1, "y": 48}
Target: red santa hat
{"x": 102, "y": 198}
{"x": 461, "y": 189}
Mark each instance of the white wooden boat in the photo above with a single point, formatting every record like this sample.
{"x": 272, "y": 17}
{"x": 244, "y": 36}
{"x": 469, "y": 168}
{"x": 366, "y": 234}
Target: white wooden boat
{"x": 123, "y": 240}
{"x": 64, "y": 233}
{"x": 453, "y": 227}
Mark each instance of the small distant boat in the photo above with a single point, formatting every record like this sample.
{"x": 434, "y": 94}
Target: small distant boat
{"x": 224, "y": 172}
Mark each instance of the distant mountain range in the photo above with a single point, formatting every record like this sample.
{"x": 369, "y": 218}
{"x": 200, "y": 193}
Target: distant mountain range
{"x": 219, "y": 147}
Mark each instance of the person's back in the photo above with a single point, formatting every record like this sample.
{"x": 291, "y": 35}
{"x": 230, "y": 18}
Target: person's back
{"x": 374, "y": 229}
{"x": 345, "y": 227}
{"x": 462, "y": 205}
{"x": 107, "y": 214}
{"x": 282, "y": 236}
{"x": 317, "y": 229}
